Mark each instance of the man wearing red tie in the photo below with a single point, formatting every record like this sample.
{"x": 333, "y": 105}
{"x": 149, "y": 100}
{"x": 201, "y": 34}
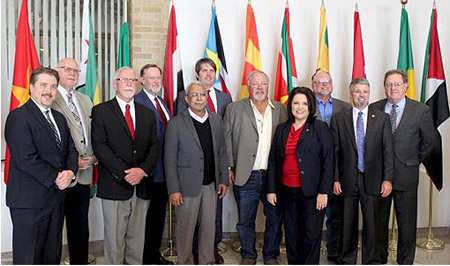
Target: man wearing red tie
{"x": 125, "y": 142}
{"x": 205, "y": 71}
{"x": 150, "y": 77}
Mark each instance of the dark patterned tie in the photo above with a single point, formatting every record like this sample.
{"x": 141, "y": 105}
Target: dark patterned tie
{"x": 76, "y": 115}
{"x": 160, "y": 111}
{"x": 53, "y": 128}
{"x": 360, "y": 140}
{"x": 393, "y": 115}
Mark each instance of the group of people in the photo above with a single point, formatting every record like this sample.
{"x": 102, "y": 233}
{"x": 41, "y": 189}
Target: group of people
{"x": 313, "y": 157}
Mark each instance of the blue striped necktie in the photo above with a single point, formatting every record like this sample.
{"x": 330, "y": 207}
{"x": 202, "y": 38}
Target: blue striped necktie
{"x": 360, "y": 140}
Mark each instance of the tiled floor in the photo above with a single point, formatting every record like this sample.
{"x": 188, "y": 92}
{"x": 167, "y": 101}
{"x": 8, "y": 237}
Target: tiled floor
{"x": 423, "y": 257}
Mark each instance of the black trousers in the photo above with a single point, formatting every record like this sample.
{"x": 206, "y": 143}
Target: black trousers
{"x": 76, "y": 211}
{"x": 334, "y": 219}
{"x": 154, "y": 226}
{"x": 302, "y": 225}
{"x": 349, "y": 229}
{"x": 405, "y": 205}
{"x": 37, "y": 234}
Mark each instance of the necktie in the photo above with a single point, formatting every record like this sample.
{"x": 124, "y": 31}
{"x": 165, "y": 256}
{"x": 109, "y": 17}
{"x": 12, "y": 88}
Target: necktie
{"x": 76, "y": 116}
{"x": 360, "y": 140}
{"x": 210, "y": 104}
{"x": 393, "y": 115}
{"x": 129, "y": 120}
{"x": 160, "y": 111}
{"x": 53, "y": 128}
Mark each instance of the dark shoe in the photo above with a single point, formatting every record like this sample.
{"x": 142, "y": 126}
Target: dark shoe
{"x": 247, "y": 262}
{"x": 271, "y": 262}
{"x": 161, "y": 261}
{"x": 218, "y": 259}
{"x": 195, "y": 259}
{"x": 333, "y": 258}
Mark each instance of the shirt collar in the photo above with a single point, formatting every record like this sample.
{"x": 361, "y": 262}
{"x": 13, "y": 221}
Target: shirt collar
{"x": 400, "y": 104}
{"x": 199, "y": 118}
{"x": 270, "y": 104}
{"x": 318, "y": 100}
{"x": 356, "y": 110}
{"x": 42, "y": 108}
{"x": 150, "y": 95}
{"x": 122, "y": 103}
{"x": 64, "y": 92}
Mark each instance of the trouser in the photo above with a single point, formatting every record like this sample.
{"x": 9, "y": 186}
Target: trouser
{"x": 333, "y": 223}
{"x": 217, "y": 235}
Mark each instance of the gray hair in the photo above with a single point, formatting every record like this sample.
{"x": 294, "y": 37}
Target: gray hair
{"x": 358, "y": 81}
{"x": 196, "y": 83}
{"x": 123, "y": 69}
{"x": 250, "y": 76}
{"x": 318, "y": 71}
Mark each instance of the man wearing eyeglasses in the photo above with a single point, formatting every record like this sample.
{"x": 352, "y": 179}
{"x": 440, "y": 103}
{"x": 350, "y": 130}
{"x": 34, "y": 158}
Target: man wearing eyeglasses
{"x": 76, "y": 108}
{"x": 414, "y": 139}
{"x": 125, "y": 142}
{"x": 328, "y": 107}
{"x": 195, "y": 163}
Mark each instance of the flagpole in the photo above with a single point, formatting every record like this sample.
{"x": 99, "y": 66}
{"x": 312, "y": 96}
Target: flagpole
{"x": 404, "y": 2}
{"x": 430, "y": 242}
{"x": 125, "y": 10}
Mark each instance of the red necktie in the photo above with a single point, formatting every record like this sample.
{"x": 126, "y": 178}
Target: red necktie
{"x": 129, "y": 120}
{"x": 211, "y": 105}
{"x": 160, "y": 111}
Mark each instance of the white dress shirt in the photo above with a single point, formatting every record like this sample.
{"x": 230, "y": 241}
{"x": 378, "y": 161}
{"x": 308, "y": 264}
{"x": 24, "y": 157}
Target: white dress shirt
{"x": 264, "y": 125}
{"x": 152, "y": 99}
{"x": 43, "y": 110}
{"x": 122, "y": 105}
{"x": 212, "y": 95}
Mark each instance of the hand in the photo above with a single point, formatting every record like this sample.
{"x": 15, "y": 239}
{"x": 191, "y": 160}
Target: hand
{"x": 86, "y": 161}
{"x": 386, "y": 188}
{"x": 176, "y": 199}
{"x": 272, "y": 198}
{"x": 134, "y": 175}
{"x": 222, "y": 190}
{"x": 64, "y": 179}
{"x": 322, "y": 200}
{"x": 337, "y": 188}
{"x": 231, "y": 176}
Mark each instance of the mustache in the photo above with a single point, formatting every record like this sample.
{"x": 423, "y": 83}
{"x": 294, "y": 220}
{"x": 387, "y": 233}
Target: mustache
{"x": 47, "y": 94}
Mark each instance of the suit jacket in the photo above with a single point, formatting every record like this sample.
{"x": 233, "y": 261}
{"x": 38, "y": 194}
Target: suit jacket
{"x": 183, "y": 157}
{"x": 84, "y": 176}
{"x": 338, "y": 107}
{"x": 35, "y": 158}
{"x": 241, "y": 134}
{"x": 142, "y": 98}
{"x": 378, "y": 155}
{"x": 315, "y": 154}
{"x": 117, "y": 151}
{"x": 223, "y": 100}
{"x": 414, "y": 139}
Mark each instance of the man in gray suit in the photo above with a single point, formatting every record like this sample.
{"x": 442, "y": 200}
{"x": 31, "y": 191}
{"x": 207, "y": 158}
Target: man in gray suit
{"x": 328, "y": 107}
{"x": 76, "y": 108}
{"x": 249, "y": 127}
{"x": 195, "y": 163}
{"x": 414, "y": 139}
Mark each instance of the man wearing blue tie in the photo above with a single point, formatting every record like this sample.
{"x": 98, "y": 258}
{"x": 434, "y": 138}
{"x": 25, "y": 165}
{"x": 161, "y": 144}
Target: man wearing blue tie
{"x": 150, "y": 77}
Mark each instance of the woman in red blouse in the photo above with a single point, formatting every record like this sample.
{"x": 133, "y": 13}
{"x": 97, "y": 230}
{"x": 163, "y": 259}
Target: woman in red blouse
{"x": 300, "y": 172}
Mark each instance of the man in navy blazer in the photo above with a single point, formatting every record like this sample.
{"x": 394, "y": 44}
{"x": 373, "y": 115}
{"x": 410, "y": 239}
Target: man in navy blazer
{"x": 150, "y": 77}
{"x": 205, "y": 71}
{"x": 42, "y": 165}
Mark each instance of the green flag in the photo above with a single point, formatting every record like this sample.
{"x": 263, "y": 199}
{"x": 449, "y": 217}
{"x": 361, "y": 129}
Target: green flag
{"x": 124, "y": 46}
{"x": 405, "y": 55}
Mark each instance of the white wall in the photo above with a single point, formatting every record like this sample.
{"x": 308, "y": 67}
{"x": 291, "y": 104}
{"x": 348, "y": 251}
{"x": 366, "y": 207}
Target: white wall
{"x": 380, "y": 27}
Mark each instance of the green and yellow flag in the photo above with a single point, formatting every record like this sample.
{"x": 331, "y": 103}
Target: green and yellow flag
{"x": 323, "y": 62}
{"x": 405, "y": 55}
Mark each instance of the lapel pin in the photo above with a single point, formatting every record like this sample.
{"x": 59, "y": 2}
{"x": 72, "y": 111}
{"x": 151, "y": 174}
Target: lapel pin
{"x": 373, "y": 116}
{"x": 307, "y": 130}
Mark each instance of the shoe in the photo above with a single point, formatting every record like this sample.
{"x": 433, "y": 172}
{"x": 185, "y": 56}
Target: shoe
{"x": 332, "y": 258}
{"x": 247, "y": 262}
{"x": 218, "y": 259}
{"x": 271, "y": 262}
{"x": 195, "y": 259}
{"x": 161, "y": 261}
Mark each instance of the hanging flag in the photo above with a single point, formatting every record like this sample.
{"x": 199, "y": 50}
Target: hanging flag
{"x": 434, "y": 94}
{"x": 323, "y": 62}
{"x": 172, "y": 73}
{"x": 124, "y": 46}
{"x": 405, "y": 56}
{"x": 358, "y": 50}
{"x": 286, "y": 70}
{"x": 26, "y": 60}
{"x": 88, "y": 79}
{"x": 214, "y": 51}
{"x": 252, "y": 55}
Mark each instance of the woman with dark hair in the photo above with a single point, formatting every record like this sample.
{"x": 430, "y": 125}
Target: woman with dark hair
{"x": 300, "y": 173}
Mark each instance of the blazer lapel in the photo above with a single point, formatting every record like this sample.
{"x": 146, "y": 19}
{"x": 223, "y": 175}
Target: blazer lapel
{"x": 36, "y": 112}
{"x": 305, "y": 132}
{"x": 65, "y": 109}
{"x": 348, "y": 120}
{"x": 275, "y": 118}
{"x": 190, "y": 125}
{"x": 371, "y": 118}
{"x": 405, "y": 116}
{"x": 248, "y": 108}
{"x": 114, "y": 106}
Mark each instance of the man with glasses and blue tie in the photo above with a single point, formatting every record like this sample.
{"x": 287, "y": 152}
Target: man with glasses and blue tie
{"x": 125, "y": 142}
{"x": 364, "y": 170}
{"x": 414, "y": 139}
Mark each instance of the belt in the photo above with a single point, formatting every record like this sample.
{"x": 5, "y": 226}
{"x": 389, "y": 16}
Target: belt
{"x": 260, "y": 171}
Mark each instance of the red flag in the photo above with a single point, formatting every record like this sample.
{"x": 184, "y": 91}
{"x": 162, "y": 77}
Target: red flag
{"x": 172, "y": 74}
{"x": 26, "y": 60}
{"x": 358, "y": 51}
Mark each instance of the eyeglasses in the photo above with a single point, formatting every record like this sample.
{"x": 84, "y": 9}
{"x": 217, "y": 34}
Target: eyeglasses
{"x": 256, "y": 84}
{"x": 323, "y": 81}
{"x": 395, "y": 85}
{"x": 196, "y": 94}
{"x": 70, "y": 70}
{"x": 125, "y": 80}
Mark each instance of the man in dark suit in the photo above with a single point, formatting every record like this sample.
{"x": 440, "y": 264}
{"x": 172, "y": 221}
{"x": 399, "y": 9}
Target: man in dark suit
{"x": 205, "y": 71}
{"x": 150, "y": 77}
{"x": 195, "y": 161}
{"x": 76, "y": 108}
{"x": 327, "y": 107}
{"x": 42, "y": 165}
{"x": 126, "y": 145}
{"x": 364, "y": 170}
{"x": 414, "y": 139}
